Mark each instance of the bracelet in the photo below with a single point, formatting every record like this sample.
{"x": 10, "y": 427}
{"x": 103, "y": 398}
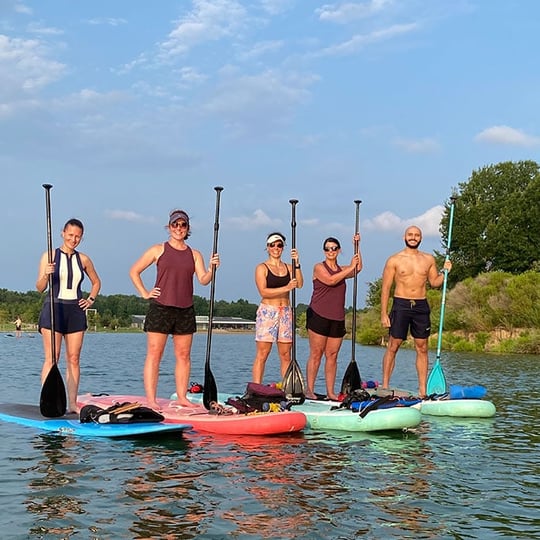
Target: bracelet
{"x": 91, "y": 298}
{"x": 298, "y": 267}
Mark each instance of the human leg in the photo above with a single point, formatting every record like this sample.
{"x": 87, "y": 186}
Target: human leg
{"x": 284, "y": 351}
{"x": 317, "y": 345}
{"x": 74, "y": 343}
{"x": 155, "y": 345}
{"x": 421, "y": 346}
{"x": 263, "y": 349}
{"x": 47, "y": 350}
{"x": 330, "y": 367}
{"x": 389, "y": 359}
{"x": 182, "y": 353}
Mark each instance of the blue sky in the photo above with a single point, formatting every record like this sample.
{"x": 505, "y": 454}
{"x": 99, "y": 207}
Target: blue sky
{"x": 131, "y": 109}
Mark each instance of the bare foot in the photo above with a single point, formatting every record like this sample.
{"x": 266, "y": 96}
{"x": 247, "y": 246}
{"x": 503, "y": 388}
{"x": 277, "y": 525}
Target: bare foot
{"x": 73, "y": 409}
{"x": 154, "y": 405}
{"x": 183, "y": 403}
{"x": 332, "y": 397}
{"x": 310, "y": 395}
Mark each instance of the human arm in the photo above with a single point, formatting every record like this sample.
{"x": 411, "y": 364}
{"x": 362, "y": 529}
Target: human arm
{"x": 388, "y": 276}
{"x": 435, "y": 277}
{"x": 149, "y": 257}
{"x": 297, "y": 268}
{"x": 204, "y": 275}
{"x": 45, "y": 269}
{"x": 90, "y": 271}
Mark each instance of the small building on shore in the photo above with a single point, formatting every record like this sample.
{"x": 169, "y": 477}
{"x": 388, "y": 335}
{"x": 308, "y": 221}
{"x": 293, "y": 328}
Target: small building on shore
{"x": 228, "y": 324}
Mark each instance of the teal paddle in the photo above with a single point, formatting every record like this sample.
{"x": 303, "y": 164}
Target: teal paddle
{"x": 351, "y": 379}
{"x": 210, "y": 391}
{"x": 436, "y": 383}
{"x": 293, "y": 381}
{"x": 52, "y": 401}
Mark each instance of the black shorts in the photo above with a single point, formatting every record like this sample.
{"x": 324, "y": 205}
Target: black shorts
{"x": 69, "y": 317}
{"x": 410, "y": 314}
{"x": 323, "y": 326}
{"x": 170, "y": 320}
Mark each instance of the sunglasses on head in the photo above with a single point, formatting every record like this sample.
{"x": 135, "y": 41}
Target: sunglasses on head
{"x": 330, "y": 248}
{"x": 179, "y": 224}
{"x": 275, "y": 244}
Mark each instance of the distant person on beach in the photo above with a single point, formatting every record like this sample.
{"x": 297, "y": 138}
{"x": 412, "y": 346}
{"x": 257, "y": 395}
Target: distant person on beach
{"x": 274, "y": 281}
{"x": 171, "y": 311}
{"x": 325, "y": 316}
{"x": 67, "y": 269}
{"x": 18, "y": 326}
{"x": 410, "y": 270}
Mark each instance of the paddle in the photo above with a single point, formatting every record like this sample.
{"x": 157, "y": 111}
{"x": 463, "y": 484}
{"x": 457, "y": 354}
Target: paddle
{"x": 436, "y": 383}
{"x": 293, "y": 381}
{"x": 210, "y": 392}
{"x": 351, "y": 379}
{"x": 52, "y": 401}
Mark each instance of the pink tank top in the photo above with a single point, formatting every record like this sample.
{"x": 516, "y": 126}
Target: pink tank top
{"x": 175, "y": 269}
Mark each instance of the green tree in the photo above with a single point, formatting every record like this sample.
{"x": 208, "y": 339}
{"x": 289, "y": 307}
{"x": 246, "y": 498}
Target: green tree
{"x": 496, "y": 221}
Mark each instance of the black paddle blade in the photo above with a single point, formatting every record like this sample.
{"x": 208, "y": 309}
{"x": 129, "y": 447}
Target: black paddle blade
{"x": 293, "y": 383}
{"x": 210, "y": 392}
{"x": 52, "y": 402}
{"x": 351, "y": 380}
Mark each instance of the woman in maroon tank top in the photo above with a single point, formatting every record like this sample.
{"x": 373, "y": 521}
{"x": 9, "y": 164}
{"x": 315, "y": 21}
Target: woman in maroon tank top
{"x": 171, "y": 311}
{"x": 325, "y": 316}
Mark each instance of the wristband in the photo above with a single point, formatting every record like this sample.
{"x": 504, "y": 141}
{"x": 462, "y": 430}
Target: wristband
{"x": 91, "y": 298}
{"x": 297, "y": 267}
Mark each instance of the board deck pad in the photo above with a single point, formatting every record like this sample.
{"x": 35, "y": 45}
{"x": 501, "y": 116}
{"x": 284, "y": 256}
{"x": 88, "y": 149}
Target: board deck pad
{"x": 30, "y": 416}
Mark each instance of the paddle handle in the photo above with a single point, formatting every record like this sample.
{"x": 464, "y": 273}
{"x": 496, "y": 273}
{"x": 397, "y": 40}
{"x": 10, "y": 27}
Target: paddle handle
{"x": 445, "y": 278}
{"x": 50, "y": 258}
{"x": 355, "y": 278}
{"x": 293, "y": 203}
{"x": 218, "y": 189}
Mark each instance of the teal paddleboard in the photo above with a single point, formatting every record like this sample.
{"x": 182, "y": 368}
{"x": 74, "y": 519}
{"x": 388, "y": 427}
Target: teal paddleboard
{"x": 30, "y": 416}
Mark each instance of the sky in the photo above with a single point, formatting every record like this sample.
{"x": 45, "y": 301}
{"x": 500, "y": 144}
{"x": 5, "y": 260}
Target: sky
{"x": 131, "y": 109}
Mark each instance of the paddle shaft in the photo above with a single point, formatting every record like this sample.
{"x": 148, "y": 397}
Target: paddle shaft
{"x": 293, "y": 202}
{"x": 445, "y": 271}
{"x": 48, "y": 188}
{"x": 355, "y": 280}
{"x": 218, "y": 189}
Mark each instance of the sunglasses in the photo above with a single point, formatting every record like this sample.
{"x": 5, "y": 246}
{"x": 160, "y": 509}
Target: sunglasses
{"x": 331, "y": 248}
{"x": 275, "y": 244}
{"x": 179, "y": 225}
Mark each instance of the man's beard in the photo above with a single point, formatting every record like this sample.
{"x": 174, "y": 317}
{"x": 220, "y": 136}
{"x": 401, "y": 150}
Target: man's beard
{"x": 410, "y": 246}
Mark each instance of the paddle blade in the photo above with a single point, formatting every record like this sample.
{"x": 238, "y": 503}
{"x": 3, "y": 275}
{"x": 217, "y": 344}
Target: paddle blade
{"x": 293, "y": 383}
{"x": 351, "y": 380}
{"x": 210, "y": 392}
{"x": 52, "y": 402}
{"x": 436, "y": 383}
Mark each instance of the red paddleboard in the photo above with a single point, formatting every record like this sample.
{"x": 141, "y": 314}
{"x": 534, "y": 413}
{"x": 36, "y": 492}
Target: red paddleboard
{"x": 264, "y": 423}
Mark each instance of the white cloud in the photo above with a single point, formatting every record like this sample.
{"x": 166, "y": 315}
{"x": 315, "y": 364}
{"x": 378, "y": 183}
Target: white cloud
{"x": 110, "y": 21}
{"x": 358, "y": 41}
{"x": 261, "y": 48}
{"x": 128, "y": 215}
{"x": 417, "y": 146}
{"x": 349, "y": 11}
{"x": 37, "y": 28}
{"x": 258, "y": 219}
{"x": 428, "y": 222}
{"x": 210, "y": 20}
{"x": 275, "y": 7}
{"x": 507, "y": 135}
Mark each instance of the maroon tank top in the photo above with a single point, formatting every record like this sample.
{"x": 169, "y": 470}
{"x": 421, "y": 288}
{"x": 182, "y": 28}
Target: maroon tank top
{"x": 175, "y": 269}
{"x": 329, "y": 301}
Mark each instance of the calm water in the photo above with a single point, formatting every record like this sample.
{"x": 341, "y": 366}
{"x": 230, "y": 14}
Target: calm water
{"x": 451, "y": 478}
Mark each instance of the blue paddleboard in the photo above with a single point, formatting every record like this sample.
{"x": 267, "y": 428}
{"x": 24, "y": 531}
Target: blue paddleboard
{"x": 29, "y": 415}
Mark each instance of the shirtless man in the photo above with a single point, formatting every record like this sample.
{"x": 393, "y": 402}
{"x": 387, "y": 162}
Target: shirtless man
{"x": 410, "y": 269}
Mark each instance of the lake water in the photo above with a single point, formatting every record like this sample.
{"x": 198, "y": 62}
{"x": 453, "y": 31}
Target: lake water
{"x": 450, "y": 478}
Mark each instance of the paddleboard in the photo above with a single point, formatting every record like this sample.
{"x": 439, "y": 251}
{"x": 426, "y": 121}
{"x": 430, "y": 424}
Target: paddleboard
{"x": 30, "y": 416}
{"x": 268, "y": 423}
{"x": 444, "y": 406}
{"x": 321, "y": 415}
